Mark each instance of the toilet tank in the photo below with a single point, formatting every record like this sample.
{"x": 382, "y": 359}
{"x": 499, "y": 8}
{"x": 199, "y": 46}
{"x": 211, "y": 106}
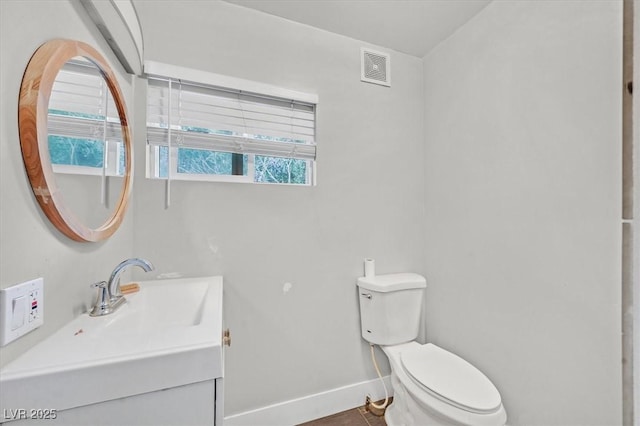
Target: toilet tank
{"x": 390, "y": 307}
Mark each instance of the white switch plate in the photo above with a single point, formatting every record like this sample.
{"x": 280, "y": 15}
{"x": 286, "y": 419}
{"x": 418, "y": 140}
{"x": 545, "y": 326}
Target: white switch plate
{"x": 22, "y": 309}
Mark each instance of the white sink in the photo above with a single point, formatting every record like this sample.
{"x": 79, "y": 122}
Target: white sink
{"x": 162, "y": 305}
{"x": 168, "y": 334}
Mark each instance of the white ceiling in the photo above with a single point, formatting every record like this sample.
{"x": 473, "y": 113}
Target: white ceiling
{"x": 410, "y": 26}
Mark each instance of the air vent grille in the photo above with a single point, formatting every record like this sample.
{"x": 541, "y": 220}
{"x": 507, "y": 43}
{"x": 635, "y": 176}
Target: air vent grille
{"x": 375, "y": 67}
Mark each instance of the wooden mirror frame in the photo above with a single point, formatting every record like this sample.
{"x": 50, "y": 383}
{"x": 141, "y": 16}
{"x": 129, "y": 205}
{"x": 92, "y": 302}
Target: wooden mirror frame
{"x": 35, "y": 92}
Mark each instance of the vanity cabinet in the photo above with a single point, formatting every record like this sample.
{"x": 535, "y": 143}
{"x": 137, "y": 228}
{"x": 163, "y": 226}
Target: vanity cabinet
{"x": 189, "y": 405}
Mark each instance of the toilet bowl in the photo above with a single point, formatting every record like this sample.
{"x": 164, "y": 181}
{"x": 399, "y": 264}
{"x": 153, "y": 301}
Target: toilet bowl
{"x": 431, "y": 385}
{"x": 435, "y": 387}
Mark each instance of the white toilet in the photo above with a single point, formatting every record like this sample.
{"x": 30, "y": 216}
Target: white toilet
{"x": 431, "y": 385}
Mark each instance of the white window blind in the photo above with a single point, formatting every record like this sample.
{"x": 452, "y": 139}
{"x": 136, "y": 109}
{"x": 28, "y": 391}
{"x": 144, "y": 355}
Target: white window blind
{"x": 85, "y": 135}
{"x": 81, "y": 105}
{"x": 200, "y": 116}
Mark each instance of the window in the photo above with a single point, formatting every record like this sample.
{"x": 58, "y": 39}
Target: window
{"x": 85, "y": 136}
{"x": 210, "y": 127}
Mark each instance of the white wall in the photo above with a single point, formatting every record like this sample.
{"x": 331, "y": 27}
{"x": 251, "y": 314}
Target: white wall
{"x": 522, "y": 160}
{"x": 30, "y": 246}
{"x": 368, "y": 201}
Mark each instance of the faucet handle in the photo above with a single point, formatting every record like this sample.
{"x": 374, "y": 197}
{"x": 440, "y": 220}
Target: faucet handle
{"x": 101, "y": 305}
{"x": 99, "y": 284}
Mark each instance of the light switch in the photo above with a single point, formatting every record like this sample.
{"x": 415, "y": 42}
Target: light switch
{"x": 19, "y": 308}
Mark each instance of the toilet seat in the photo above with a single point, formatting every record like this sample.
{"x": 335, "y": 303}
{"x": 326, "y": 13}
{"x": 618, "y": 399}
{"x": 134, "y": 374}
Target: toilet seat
{"x": 450, "y": 378}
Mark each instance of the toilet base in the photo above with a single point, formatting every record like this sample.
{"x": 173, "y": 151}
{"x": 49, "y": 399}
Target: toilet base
{"x": 395, "y": 417}
{"x": 405, "y": 411}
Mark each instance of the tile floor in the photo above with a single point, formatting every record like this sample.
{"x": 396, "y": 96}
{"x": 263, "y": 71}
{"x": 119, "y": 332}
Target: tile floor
{"x": 355, "y": 417}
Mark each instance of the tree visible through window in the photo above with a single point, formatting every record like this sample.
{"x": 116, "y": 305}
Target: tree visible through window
{"x": 280, "y": 170}
{"x": 76, "y": 152}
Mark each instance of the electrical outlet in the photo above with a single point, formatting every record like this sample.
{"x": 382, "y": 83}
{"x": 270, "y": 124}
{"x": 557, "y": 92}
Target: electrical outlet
{"x": 22, "y": 309}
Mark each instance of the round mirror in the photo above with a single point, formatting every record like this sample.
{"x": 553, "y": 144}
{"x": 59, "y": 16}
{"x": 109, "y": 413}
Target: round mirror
{"x": 75, "y": 139}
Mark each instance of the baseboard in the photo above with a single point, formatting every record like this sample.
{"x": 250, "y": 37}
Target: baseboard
{"x": 307, "y": 408}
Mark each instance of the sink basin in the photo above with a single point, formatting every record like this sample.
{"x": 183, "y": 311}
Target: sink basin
{"x": 168, "y": 334}
{"x": 160, "y": 305}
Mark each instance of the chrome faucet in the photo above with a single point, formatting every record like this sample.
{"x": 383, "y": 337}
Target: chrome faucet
{"x": 114, "y": 279}
{"x": 109, "y": 297}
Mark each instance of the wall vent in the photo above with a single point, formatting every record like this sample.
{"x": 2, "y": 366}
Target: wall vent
{"x": 375, "y": 67}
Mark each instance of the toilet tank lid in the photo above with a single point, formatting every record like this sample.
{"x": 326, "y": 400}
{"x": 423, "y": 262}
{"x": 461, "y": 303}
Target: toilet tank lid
{"x": 392, "y": 282}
